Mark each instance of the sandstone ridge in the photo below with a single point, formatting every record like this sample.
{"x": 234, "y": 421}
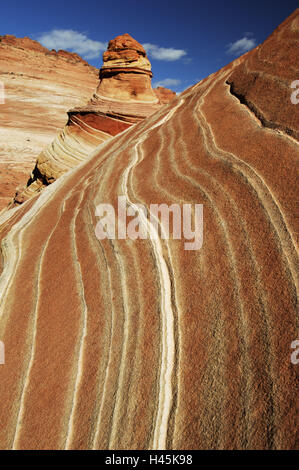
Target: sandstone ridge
{"x": 177, "y": 349}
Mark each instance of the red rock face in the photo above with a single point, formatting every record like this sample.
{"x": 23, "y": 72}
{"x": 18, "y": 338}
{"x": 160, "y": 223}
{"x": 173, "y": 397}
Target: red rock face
{"x": 177, "y": 349}
{"x": 40, "y": 86}
{"x": 126, "y": 72}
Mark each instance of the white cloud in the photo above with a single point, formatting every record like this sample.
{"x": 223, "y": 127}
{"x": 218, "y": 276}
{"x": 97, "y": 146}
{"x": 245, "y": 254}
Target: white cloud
{"x": 167, "y": 82}
{"x": 164, "y": 53}
{"x": 74, "y": 41}
{"x": 241, "y": 45}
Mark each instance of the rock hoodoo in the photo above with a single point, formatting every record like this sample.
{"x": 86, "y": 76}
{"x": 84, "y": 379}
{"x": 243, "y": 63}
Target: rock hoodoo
{"x": 164, "y": 94}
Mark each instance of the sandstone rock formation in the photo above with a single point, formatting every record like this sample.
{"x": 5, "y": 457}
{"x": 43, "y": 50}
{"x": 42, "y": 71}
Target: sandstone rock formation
{"x": 124, "y": 97}
{"x": 40, "y": 86}
{"x": 164, "y": 94}
{"x": 141, "y": 344}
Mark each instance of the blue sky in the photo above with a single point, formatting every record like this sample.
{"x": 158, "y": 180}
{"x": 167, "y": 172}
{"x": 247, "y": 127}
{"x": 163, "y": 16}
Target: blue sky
{"x": 186, "y": 40}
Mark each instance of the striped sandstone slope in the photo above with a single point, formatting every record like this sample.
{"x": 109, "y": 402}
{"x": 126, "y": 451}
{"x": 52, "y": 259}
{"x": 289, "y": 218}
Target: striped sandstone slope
{"x": 124, "y": 97}
{"x": 40, "y": 86}
{"x": 126, "y": 344}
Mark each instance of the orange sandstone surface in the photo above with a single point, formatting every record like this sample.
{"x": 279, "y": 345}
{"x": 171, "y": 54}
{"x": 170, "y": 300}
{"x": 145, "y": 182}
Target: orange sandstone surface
{"x": 123, "y": 344}
{"x": 124, "y": 97}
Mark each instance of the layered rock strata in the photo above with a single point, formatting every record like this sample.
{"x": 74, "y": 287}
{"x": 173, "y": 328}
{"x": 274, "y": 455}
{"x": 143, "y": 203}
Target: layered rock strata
{"x": 124, "y": 97}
